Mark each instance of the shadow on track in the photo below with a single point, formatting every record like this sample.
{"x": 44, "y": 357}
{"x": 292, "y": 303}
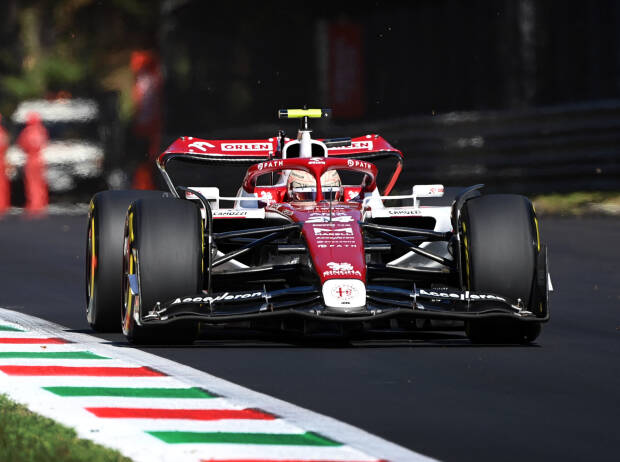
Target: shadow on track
{"x": 236, "y": 339}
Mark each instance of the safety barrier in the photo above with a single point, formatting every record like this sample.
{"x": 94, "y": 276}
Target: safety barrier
{"x": 538, "y": 150}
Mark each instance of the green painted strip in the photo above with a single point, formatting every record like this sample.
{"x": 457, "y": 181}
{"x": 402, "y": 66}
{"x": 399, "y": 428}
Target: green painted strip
{"x": 51, "y": 354}
{"x": 131, "y": 392}
{"x": 11, "y": 329}
{"x": 284, "y": 439}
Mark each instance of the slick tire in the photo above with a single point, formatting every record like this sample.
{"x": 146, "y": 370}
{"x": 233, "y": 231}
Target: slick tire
{"x": 501, "y": 248}
{"x": 164, "y": 250}
{"x": 104, "y": 256}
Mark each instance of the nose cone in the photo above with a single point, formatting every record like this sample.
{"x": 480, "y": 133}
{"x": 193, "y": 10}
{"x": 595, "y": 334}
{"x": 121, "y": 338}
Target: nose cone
{"x": 344, "y": 295}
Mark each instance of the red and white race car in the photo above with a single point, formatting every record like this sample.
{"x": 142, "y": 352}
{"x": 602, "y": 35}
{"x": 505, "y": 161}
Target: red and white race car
{"x": 309, "y": 242}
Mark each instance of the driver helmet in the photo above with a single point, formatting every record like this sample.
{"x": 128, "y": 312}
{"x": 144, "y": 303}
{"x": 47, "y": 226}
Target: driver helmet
{"x": 302, "y": 186}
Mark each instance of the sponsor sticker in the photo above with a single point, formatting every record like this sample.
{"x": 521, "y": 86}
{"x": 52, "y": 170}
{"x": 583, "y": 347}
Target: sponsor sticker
{"x": 428, "y": 190}
{"x": 201, "y": 145}
{"x": 355, "y": 145}
{"x": 323, "y": 214}
{"x": 246, "y": 147}
{"x": 358, "y": 163}
{"x": 467, "y": 295}
{"x": 270, "y": 164}
{"x": 323, "y": 218}
{"x": 334, "y": 237}
{"x": 344, "y": 293}
{"x": 222, "y": 297}
{"x": 222, "y": 213}
{"x": 341, "y": 269}
{"x": 403, "y": 211}
{"x": 339, "y": 266}
{"x": 346, "y": 231}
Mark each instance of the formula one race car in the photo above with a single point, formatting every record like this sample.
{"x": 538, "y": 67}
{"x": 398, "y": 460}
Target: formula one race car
{"x": 309, "y": 243}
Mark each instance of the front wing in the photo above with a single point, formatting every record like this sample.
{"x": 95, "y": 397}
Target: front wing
{"x": 306, "y": 302}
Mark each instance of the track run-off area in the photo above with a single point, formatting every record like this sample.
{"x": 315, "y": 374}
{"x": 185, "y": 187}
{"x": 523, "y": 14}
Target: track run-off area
{"x": 433, "y": 393}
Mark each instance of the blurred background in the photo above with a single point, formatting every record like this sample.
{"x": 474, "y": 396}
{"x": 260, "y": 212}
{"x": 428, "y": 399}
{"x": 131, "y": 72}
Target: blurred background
{"x": 523, "y": 95}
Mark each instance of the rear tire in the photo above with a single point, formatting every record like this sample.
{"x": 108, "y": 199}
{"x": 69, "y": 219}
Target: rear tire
{"x": 104, "y": 256}
{"x": 501, "y": 248}
{"x": 164, "y": 249}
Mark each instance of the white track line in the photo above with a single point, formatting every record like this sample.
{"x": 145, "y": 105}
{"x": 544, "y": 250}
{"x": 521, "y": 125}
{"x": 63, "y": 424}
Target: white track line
{"x": 126, "y": 436}
{"x": 69, "y": 381}
{"x": 243, "y": 426}
{"x": 66, "y": 362}
{"x": 260, "y": 451}
{"x": 154, "y": 403}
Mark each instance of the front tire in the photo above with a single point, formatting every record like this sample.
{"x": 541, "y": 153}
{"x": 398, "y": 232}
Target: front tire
{"x": 104, "y": 256}
{"x": 501, "y": 253}
{"x": 164, "y": 251}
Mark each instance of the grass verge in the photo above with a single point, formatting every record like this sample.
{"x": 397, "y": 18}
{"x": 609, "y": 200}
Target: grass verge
{"x": 29, "y": 437}
{"x": 578, "y": 203}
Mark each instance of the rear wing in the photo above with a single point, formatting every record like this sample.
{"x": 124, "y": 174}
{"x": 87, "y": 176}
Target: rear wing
{"x": 249, "y": 152}
{"x": 266, "y": 148}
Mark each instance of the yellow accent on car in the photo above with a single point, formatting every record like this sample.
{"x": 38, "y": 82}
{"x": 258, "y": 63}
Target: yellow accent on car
{"x": 299, "y": 113}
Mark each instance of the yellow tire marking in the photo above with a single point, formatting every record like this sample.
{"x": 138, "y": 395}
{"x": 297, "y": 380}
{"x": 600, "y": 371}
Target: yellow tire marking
{"x": 466, "y": 245}
{"x": 537, "y": 233}
{"x": 93, "y": 257}
{"x": 130, "y": 218}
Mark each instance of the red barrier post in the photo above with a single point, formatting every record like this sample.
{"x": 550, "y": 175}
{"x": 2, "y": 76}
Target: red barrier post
{"x": 32, "y": 140}
{"x": 147, "y": 99}
{"x": 5, "y": 187}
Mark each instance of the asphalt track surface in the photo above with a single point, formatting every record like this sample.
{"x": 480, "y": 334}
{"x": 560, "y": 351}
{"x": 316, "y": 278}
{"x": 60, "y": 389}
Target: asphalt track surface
{"x": 558, "y": 399}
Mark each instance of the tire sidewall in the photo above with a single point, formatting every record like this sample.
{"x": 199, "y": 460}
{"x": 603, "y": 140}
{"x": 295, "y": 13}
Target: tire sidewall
{"x": 501, "y": 254}
{"x": 168, "y": 264}
{"x": 500, "y": 246}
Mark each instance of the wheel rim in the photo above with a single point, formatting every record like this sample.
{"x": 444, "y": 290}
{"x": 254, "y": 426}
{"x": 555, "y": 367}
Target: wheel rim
{"x": 131, "y": 302}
